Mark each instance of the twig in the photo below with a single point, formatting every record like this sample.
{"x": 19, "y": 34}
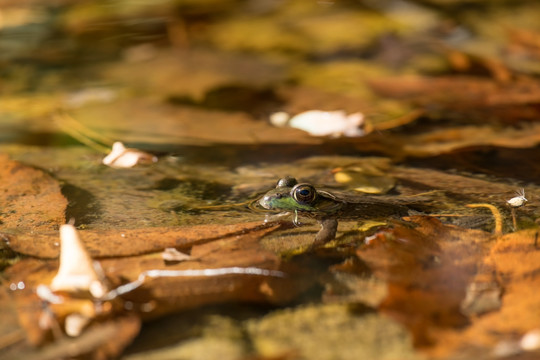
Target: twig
{"x": 496, "y": 214}
{"x": 81, "y": 133}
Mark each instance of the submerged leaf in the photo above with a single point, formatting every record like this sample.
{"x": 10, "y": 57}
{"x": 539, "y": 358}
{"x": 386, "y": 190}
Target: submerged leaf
{"x": 515, "y": 262}
{"x": 157, "y": 295}
{"x": 427, "y": 270}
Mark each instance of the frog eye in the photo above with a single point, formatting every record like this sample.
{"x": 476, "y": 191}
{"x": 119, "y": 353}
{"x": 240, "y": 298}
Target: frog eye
{"x": 287, "y": 181}
{"x": 303, "y": 193}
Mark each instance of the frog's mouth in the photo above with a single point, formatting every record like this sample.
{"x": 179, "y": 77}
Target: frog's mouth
{"x": 265, "y": 202}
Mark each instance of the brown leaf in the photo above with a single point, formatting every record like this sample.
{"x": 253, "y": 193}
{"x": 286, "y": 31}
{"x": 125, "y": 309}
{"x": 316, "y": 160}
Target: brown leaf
{"x": 445, "y": 140}
{"x": 459, "y": 91}
{"x": 477, "y": 100}
{"x": 22, "y": 279}
{"x": 454, "y": 183}
{"x": 111, "y": 243}
{"x": 30, "y": 198}
{"x": 161, "y": 295}
{"x": 516, "y": 259}
{"x": 193, "y": 125}
{"x": 12, "y": 335}
{"x": 173, "y": 294}
{"x": 427, "y": 269}
{"x": 104, "y": 340}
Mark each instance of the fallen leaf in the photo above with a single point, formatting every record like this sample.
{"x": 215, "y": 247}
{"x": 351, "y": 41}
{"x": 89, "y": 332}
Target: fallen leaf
{"x": 174, "y": 294}
{"x": 30, "y": 198}
{"x": 515, "y": 261}
{"x": 113, "y": 243}
{"x": 160, "y": 295}
{"x": 445, "y": 140}
{"x": 105, "y": 340}
{"x": 191, "y": 125}
{"x": 427, "y": 269}
{"x": 460, "y": 93}
{"x": 455, "y": 183}
{"x": 206, "y": 70}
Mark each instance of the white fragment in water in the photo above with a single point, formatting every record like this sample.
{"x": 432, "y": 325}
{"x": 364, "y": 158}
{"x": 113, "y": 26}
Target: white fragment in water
{"x": 75, "y": 323}
{"x": 45, "y": 293}
{"x": 91, "y": 95}
{"x": 171, "y": 254}
{"x": 531, "y": 340}
{"x": 506, "y": 348}
{"x": 518, "y": 200}
{"x": 158, "y": 273}
{"x": 122, "y": 157}
{"x": 147, "y": 307}
{"x": 326, "y": 123}
{"x": 369, "y": 239}
{"x": 76, "y": 271}
{"x": 279, "y": 119}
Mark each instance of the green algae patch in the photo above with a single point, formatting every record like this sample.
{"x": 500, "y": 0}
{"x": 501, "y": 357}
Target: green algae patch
{"x": 303, "y": 29}
{"x": 344, "y": 77}
{"x": 330, "y": 332}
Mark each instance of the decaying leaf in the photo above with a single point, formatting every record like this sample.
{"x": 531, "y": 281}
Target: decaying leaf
{"x": 427, "y": 269}
{"x": 455, "y": 183}
{"x": 514, "y": 260}
{"x": 473, "y": 95}
{"x": 111, "y": 243}
{"x": 445, "y": 140}
{"x": 30, "y": 198}
{"x": 146, "y": 287}
{"x": 454, "y": 287}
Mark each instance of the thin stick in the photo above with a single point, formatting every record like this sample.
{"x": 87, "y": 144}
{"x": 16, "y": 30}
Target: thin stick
{"x": 66, "y": 118}
{"x": 152, "y": 274}
{"x": 514, "y": 222}
{"x": 449, "y": 215}
{"x": 82, "y": 134}
{"x": 496, "y": 215}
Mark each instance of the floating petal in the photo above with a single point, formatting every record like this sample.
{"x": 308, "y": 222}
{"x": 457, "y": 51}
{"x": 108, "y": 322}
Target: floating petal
{"x": 77, "y": 271}
{"x": 122, "y": 157}
{"x": 324, "y": 123}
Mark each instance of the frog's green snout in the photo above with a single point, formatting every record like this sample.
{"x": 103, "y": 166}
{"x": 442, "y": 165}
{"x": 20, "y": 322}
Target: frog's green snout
{"x": 267, "y": 200}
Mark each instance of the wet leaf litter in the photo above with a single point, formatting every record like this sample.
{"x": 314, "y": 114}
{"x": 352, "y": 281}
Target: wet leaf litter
{"x": 180, "y": 260}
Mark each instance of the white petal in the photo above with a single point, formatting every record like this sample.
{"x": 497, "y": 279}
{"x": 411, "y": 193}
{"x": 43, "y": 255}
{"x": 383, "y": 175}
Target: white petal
{"x": 328, "y": 123}
{"x": 76, "y": 271}
{"x": 117, "y": 150}
{"x": 531, "y": 340}
{"x": 279, "y": 119}
{"x": 122, "y": 157}
{"x": 75, "y": 324}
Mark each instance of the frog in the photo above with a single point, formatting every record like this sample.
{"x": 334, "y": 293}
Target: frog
{"x": 329, "y": 207}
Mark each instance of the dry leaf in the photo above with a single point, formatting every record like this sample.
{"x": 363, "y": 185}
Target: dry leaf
{"x": 30, "y": 198}
{"x": 111, "y": 243}
{"x": 427, "y": 269}
{"x": 155, "y": 296}
{"x": 515, "y": 260}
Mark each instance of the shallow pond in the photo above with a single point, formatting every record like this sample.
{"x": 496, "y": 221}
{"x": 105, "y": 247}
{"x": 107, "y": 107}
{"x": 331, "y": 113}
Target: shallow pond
{"x": 449, "y": 120}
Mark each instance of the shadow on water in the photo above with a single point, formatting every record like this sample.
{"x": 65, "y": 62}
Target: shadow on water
{"x": 257, "y": 102}
{"x": 522, "y": 164}
{"x": 82, "y": 205}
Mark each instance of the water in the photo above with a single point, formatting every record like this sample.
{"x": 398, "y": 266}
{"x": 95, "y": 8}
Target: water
{"x": 194, "y": 83}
